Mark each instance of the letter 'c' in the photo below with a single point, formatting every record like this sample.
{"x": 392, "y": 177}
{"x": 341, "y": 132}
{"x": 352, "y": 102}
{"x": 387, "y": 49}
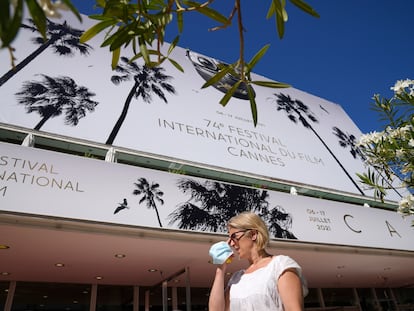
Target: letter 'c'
{"x": 346, "y": 223}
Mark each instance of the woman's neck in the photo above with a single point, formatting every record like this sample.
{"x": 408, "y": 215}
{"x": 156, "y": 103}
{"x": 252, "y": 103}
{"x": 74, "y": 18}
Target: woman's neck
{"x": 257, "y": 258}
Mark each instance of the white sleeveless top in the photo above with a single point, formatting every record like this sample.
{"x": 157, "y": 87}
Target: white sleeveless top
{"x": 257, "y": 291}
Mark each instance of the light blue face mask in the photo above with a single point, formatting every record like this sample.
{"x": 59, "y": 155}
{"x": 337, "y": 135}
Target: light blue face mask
{"x": 220, "y": 252}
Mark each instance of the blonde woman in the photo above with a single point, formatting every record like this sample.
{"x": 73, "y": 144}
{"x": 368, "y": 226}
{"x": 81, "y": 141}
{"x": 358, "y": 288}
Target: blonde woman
{"x": 269, "y": 282}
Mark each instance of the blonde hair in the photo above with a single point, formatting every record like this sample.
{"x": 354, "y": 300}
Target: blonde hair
{"x": 251, "y": 221}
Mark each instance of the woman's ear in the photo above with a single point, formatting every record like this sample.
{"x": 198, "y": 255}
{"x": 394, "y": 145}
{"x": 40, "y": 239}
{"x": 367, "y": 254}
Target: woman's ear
{"x": 254, "y": 235}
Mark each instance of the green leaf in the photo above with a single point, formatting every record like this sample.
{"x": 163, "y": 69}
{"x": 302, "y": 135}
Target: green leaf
{"x": 69, "y": 4}
{"x": 5, "y": 13}
{"x": 38, "y": 16}
{"x": 115, "y": 57}
{"x": 144, "y": 51}
{"x": 271, "y": 11}
{"x": 213, "y": 14}
{"x": 257, "y": 57}
{"x": 271, "y": 84}
{"x": 9, "y": 29}
{"x": 253, "y": 105}
{"x": 5, "y": 23}
{"x": 277, "y": 8}
{"x": 280, "y": 24}
{"x": 150, "y": 52}
{"x": 99, "y": 17}
{"x": 121, "y": 37}
{"x": 100, "y": 3}
{"x": 364, "y": 178}
{"x": 229, "y": 93}
{"x": 173, "y": 44}
{"x": 180, "y": 21}
{"x": 305, "y": 7}
{"x": 209, "y": 12}
{"x": 176, "y": 65}
{"x": 94, "y": 30}
{"x": 217, "y": 77}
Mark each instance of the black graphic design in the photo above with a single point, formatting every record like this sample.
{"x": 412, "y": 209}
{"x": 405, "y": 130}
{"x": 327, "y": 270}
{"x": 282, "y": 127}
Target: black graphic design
{"x": 62, "y": 38}
{"x": 297, "y": 111}
{"x": 208, "y": 67}
{"x": 121, "y": 206}
{"x": 212, "y": 204}
{"x": 53, "y": 97}
{"x": 348, "y": 140}
{"x": 320, "y": 106}
{"x": 149, "y": 194}
{"x": 147, "y": 81}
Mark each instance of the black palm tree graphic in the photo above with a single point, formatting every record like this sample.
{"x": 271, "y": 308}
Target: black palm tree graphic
{"x": 150, "y": 193}
{"x": 54, "y": 96}
{"x": 62, "y": 38}
{"x": 212, "y": 204}
{"x": 280, "y": 222}
{"x": 348, "y": 140}
{"x": 297, "y": 111}
{"x": 147, "y": 80}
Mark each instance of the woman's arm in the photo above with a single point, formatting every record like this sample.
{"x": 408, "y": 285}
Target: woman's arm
{"x": 290, "y": 290}
{"x": 219, "y": 299}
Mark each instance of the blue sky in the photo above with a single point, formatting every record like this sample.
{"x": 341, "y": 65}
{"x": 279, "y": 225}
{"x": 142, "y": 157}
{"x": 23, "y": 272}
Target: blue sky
{"x": 357, "y": 48}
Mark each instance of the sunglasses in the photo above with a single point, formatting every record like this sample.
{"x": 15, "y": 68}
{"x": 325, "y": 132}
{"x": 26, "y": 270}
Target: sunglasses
{"x": 236, "y": 238}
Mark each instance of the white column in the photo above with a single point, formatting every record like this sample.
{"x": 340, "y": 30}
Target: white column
{"x": 187, "y": 289}
{"x": 147, "y": 300}
{"x": 94, "y": 295}
{"x": 357, "y": 301}
{"x": 136, "y": 299}
{"x": 10, "y": 295}
{"x": 165, "y": 296}
{"x": 320, "y": 298}
{"x": 174, "y": 298}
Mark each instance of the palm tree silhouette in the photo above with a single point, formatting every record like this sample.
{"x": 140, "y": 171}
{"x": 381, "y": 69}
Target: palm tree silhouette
{"x": 212, "y": 204}
{"x": 297, "y": 111}
{"x": 147, "y": 80}
{"x": 150, "y": 193}
{"x": 54, "y": 96}
{"x": 62, "y": 38}
{"x": 280, "y": 222}
{"x": 348, "y": 140}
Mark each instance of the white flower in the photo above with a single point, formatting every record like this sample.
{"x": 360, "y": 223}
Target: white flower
{"x": 401, "y": 85}
{"x": 411, "y": 142}
{"x": 406, "y": 205}
{"x": 406, "y": 128}
{"x": 370, "y": 138}
{"x": 399, "y": 153}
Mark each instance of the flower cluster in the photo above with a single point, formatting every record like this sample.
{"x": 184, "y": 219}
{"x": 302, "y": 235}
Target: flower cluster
{"x": 389, "y": 154}
{"x": 404, "y": 86}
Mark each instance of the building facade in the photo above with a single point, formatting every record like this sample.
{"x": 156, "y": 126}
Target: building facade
{"x": 114, "y": 184}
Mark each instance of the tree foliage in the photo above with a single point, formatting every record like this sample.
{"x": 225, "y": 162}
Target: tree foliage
{"x": 389, "y": 154}
{"x": 140, "y": 26}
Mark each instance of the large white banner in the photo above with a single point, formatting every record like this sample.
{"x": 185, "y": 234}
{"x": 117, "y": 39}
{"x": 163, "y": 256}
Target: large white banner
{"x": 48, "y": 183}
{"x": 68, "y": 88}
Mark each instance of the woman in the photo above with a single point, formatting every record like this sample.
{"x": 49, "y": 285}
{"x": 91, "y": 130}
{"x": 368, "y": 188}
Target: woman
{"x": 269, "y": 283}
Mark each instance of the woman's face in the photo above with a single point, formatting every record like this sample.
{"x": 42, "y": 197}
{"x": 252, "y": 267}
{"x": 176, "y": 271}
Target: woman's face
{"x": 240, "y": 241}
